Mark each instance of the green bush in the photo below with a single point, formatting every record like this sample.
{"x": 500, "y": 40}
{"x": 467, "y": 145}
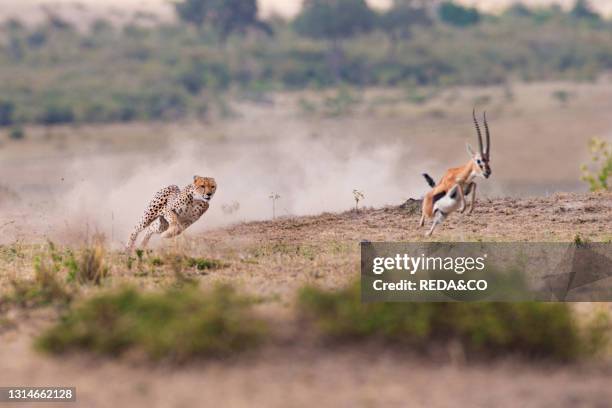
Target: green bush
{"x": 17, "y": 133}
{"x": 534, "y": 329}
{"x": 179, "y": 324}
{"x": 457, "y": 15}
{"x": 204, "y": 263}
{"x": 334, "y": 19}
{"x": 45, "y": 289}
{"x": 7, "y": 111}
{"x": 56, "y": 114}
{"x": 597, "y": 175}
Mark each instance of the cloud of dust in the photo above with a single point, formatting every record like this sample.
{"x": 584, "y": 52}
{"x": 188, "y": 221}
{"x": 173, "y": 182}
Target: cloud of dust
{"x": 311, "y": 175}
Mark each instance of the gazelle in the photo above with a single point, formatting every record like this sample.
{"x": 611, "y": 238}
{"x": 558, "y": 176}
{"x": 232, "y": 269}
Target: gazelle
{"x": 444, "y": 198}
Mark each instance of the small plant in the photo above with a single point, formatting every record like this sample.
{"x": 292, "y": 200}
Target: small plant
{"x": 17, "y": 133}
{"x": 157, "y": 261}
{"x": 178, "y": 324}
{"x": 139, "y": 254}
{"x": 342, "y": 103}
{"x": 562, "y": 96}
{"x": 89, "y": 267}
{"x": 599, "y": 172}
{"x": 307, "y": 107}
{"x": 416, "y": 97}
{"x": 274, "y": 196}
{"x": 357, "y": 196}
{"x": 203, "y": 263}
{"x": 579, "y": 240}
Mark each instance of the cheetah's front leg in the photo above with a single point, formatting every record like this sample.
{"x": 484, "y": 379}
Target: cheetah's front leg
{"x": 174, "y": 225}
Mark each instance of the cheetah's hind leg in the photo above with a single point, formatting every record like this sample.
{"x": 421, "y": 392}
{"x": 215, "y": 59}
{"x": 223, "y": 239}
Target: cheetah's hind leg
{"x": 157, "y": 227}
{"x": 152, "y": 212}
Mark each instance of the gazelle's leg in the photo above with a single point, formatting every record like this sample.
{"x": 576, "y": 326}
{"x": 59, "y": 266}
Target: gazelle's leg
{"x": 473, "y": 198}
{"x": 438, "y": 219}
{"x": 461, "y": 198}
{"x": 427, "y": 207}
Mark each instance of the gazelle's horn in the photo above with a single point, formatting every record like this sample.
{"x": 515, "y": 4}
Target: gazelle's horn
{"x": 488, "y": 148}
{"x": 477, "y": 130}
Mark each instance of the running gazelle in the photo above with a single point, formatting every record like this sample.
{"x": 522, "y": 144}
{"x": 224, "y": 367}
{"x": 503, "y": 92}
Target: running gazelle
{"x": 449, "y": 194}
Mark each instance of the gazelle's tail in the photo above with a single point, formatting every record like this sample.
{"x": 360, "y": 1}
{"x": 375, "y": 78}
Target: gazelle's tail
{"x": 429, "y": 180}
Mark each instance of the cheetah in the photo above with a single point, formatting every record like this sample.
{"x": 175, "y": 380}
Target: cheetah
{"x": 173, "y": 210}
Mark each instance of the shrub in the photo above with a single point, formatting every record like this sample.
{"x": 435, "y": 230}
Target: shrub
{"x": 7, "y": 110}
{"x": 582, "y": 10}
{"x": 562, "y": 96}
{"x": 533, "y": 329}
{"x": 55, "y": 114}
{"x": 334, "y": 19}
{"x": 178, "y": 324}
{"x": 457, "y": 15}
{"x": 46, "y": 288}
{"x": 598, "y": 174}
{"x": 204, "y": 263}
{"x": 17, "y": 133}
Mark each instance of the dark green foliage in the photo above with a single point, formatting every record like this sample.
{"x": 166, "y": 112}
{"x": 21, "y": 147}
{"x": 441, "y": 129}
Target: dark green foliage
{"x": 192, "y": 11}
{"x": 56, "y": 114}
{"x": 518, "y": 10}
{"x": 101, "y": 27}
{"x": 225, "y": 16}
{"x": 534, "y": 329}
{"x": 37, "y": 38}
{"x": 7, "y": 110}
{"x": 17, "y": 133}
{"x": 179, "y": 324}
{"x": 582, "y": 10}
{"x": 457, "y": 15}
{"x": 399, "y": 21}
{"x": 204, "y": 263}
{"x": 402, "y": 17}
{"x": 334, "y": 19}
{"x": 203, "y": 73}
{"x": 55, "y": 76}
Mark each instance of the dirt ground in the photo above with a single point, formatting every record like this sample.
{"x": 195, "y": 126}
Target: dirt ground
{"x": 275, "y": 258}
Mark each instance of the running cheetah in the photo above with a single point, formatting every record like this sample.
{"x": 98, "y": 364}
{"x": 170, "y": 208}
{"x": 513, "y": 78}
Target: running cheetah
{"x": 173, "y": 210}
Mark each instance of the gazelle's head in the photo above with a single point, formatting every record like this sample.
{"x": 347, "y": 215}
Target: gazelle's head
{"x": 481, "y": 158}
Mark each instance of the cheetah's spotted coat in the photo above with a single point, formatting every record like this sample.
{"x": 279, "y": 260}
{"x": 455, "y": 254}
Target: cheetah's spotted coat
{"x": 173, "y": 210}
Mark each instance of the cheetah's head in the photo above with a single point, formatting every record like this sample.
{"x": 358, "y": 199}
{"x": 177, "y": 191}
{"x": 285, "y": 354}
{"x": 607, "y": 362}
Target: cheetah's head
{"x": 204, "y": 188}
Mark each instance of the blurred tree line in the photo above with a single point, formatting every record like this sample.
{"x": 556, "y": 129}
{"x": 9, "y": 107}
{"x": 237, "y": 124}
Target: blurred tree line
{"x": 55, "y": 73}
